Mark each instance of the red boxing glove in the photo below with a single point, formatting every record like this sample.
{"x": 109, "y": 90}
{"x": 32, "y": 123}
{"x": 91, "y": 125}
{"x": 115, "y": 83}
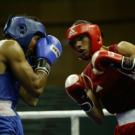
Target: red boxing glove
{"x": 102, "y": 59}
{"x": 75, "y": 87}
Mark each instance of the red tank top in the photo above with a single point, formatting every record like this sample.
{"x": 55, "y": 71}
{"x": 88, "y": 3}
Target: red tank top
{"x": 115, "y": 89}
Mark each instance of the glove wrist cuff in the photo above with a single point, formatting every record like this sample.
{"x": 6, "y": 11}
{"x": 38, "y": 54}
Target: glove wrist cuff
{"x": 43, "y": 66}
{"x": 87, "y": 106}
{"x": 128, "y": 63}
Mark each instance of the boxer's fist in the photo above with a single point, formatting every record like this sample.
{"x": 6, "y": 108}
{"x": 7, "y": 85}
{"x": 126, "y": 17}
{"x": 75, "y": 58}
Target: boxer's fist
{"x": 103, "y": 58}
{"x": 75, "y": 88}
{"x": 48, "y": 50}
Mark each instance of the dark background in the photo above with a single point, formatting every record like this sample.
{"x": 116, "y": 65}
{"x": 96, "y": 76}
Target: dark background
{"x": 117, "y": 21}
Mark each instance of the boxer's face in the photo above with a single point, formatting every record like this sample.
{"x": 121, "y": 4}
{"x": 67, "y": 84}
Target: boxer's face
{"x": 81, "y": 44}
{"x": 32, "y": 44}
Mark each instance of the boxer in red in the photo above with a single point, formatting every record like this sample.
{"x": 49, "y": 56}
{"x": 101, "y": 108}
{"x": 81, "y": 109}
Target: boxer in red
{"x": 108, "y": 81}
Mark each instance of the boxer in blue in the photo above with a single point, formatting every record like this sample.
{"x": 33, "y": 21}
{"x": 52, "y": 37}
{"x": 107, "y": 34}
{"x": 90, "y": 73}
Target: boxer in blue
{"x": 26, "y": 56}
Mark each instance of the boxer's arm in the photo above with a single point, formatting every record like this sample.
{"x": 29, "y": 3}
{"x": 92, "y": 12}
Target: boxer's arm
{"x": 96, "y": 114}
{"x": 124, "y": 59}
{"x": 48, "y": 50}
{"x": 103, "y": 59}
{"x": 126, "y": 49}
{"x": 34, "y": 82}
{"x": 28, "y": 98}
{"x": 77, "y": 89}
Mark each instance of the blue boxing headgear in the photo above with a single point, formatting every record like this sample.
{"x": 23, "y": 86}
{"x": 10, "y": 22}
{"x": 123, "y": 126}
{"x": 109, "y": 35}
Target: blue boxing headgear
{"x": 22, "y": 29}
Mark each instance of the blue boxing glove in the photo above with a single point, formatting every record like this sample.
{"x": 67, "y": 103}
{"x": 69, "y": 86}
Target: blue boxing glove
{"x": 48, "y": 50}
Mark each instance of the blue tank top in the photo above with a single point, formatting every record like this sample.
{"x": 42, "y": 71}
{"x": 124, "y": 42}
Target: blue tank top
{"x": 9, "y": 88}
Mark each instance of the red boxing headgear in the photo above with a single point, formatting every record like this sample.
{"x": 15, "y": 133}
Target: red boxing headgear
{"x": 93, "y": 32}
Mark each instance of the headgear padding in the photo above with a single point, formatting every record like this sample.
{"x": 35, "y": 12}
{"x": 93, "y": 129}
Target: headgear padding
{"x": 91, "y": 30}
{"x": 22, "y": 29}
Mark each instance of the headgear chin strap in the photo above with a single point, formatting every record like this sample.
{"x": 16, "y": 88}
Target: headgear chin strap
{"x": 91, "y": 30}
{"x": 22, "y": 29}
